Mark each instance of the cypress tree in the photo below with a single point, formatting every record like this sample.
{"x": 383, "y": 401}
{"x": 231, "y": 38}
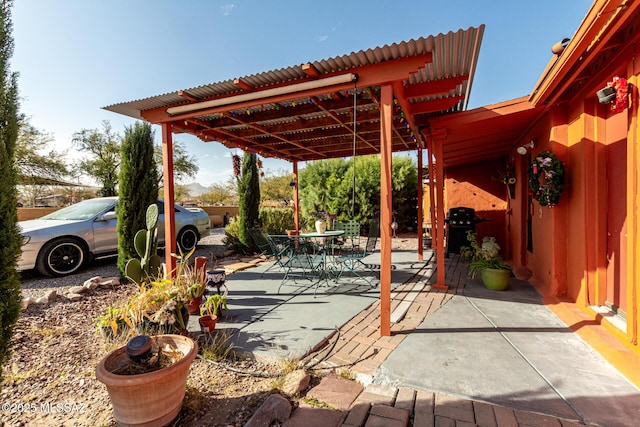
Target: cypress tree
{"x": 138, "y": 187}
{"x": 10, "y": 290}
{"x": 249, "y": 202}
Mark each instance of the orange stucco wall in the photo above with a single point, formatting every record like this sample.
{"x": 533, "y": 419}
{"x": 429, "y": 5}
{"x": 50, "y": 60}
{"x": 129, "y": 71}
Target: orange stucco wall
{"x": 585, "y": 248}
{"x": 478, "y": 186}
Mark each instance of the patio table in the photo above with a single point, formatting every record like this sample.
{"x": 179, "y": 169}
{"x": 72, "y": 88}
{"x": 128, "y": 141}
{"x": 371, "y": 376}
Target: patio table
{"x": 326, "y": 268}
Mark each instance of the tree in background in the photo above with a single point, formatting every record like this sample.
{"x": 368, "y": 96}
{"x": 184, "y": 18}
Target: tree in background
{"x": 138, "y": 187}
{"x": 221, "y": 193}
{"x": 103, "y": 165}
{"x": 37, "y": 166}
{"x": 103, "y": 161}
{"x": 180, "y": 192}
{"x": 275, "y": 187}
{"x": 10, "y": 293}
{"x": 184, "y": 165}
{"x": 327, "y": 185}
{"x": 249, "y": 202}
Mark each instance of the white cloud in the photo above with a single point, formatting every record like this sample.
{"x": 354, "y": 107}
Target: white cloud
{"x": 226, "y": 9}
{"x": 321, "y": 38}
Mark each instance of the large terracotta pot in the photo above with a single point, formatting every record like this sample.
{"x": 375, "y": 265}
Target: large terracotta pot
{"x": 151, "y": 399}
{"x": 495, "y": 279}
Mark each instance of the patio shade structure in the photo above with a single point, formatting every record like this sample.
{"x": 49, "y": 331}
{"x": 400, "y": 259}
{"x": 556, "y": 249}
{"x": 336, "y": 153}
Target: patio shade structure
{"x": 306, "y": 113}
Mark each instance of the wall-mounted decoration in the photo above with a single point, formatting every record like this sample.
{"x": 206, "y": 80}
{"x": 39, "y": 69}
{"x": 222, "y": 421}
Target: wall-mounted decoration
{"x": 508, "y": 178}
{"x": 546, "y": 178}
{"x": 615, "y": 94}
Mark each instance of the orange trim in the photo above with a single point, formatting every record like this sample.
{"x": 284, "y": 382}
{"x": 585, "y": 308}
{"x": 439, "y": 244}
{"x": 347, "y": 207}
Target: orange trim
{"x": 633, "y": 212}
{"x": 599, "y": 334}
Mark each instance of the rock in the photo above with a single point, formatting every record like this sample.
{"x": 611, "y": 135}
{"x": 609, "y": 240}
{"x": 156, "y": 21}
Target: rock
{"x": 295, "y": 382}
{"x": 51, "y": 295}
{"x": 96, "y": 279}
{"x": 111, "y": 281}
{"x": 77, "y": 290}
{"x": 42, "y": 300}
{"x": 275, "y": 408}
{"x": 74, "y": 297}
{"x": 26, "y": 302}
{"x": 91, "y": 285}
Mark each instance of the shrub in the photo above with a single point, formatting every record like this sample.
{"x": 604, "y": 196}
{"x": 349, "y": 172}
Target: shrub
{"x": 10, "y": 294}
{"x": 138, "y": 187}
{"x": 276, "y": 220}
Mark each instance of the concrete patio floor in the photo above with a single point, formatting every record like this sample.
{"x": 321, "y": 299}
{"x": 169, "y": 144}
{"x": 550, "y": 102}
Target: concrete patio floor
{"x": 502, "y": 348}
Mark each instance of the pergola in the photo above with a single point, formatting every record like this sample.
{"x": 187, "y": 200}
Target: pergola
{"x": 377, "y": 101}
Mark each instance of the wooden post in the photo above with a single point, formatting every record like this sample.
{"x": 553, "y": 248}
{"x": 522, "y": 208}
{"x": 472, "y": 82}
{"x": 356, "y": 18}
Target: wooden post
{"x": 440, "y": 284}
{"x": 296, "y": 199}
{"x": 386, "y": 118}
{"x": 432, "y": 195}
{"x": 169, "y": 208}
{"x": 420, "y": 213}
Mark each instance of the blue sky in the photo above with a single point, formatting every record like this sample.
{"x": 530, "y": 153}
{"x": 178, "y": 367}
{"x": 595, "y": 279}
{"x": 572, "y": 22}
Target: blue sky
{"x": 75, "y": 57}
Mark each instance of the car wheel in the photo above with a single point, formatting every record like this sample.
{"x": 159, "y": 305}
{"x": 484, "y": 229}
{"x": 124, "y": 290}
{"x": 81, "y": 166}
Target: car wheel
{"x": 187, "y": 239}
{"x": 61, "y": 257}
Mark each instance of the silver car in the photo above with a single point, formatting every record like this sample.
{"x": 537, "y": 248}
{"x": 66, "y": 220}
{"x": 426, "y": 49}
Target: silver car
{"x": 61, "y": 242}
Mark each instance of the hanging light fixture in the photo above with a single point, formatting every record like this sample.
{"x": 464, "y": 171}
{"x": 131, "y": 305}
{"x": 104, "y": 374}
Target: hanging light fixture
{"x": 522, "y": 150}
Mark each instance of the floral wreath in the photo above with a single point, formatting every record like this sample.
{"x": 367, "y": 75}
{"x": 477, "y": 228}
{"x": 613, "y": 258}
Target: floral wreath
{"x": 547, "y": 190}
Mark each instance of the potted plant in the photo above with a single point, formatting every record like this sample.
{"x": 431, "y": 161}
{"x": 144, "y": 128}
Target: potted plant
{"x": 486, "y": 260}
{"x": 320, "y": 218}
{"x": 147, "y": 389}
{"x": 210, "y": 310}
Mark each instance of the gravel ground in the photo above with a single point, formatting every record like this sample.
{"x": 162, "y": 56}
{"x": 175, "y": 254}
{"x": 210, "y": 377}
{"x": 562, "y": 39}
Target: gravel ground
{"x": 49, "y": 379}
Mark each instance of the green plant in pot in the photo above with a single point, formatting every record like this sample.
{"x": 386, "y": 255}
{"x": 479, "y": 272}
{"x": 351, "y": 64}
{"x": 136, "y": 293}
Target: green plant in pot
{"x": 486, "y": 260}
{"x": 210, "y": 310}
{"x": 190, "y": 280}
{"x": 214, "y": 304}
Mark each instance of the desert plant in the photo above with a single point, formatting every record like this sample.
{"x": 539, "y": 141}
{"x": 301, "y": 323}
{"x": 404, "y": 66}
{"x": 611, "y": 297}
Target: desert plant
{"x": 137, "y": 189}
{"x": 214, "y": 304}
{"x": 146, "y": 268}
{"x": 216, "y": 346}
{"x": 10, "y": 294}
{"x": 249, "y": 201}
{"x": 111, "y": 323}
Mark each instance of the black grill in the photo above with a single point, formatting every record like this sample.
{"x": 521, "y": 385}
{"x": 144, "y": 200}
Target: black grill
{"x": 459, "y": 221}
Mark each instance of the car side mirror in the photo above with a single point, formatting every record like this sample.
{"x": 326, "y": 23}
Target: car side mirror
{"x": 107, "y": 216}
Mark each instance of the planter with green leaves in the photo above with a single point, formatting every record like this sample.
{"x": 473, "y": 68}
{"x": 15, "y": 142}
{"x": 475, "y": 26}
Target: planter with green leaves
{"x": 486, "y": 260}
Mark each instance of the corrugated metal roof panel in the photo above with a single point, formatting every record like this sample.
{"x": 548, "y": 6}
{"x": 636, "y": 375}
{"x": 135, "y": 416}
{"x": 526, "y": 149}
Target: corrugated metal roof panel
{"x": 453, "y": 55}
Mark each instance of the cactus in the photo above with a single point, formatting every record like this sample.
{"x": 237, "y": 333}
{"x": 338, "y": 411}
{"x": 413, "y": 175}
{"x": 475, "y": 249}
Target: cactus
{"x": 146, "y": 243}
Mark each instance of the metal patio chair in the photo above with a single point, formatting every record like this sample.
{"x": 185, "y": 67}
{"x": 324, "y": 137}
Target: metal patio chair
{"x": 268, "y": 247}
{"x": 349, "y": 240}
{"x": 352, "y": 260}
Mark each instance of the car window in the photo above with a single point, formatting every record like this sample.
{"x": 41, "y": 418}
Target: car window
{"x": 83, "y": 210}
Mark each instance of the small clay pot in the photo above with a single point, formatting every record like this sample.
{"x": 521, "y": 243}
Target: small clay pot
{"x": 208, "y": 323}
